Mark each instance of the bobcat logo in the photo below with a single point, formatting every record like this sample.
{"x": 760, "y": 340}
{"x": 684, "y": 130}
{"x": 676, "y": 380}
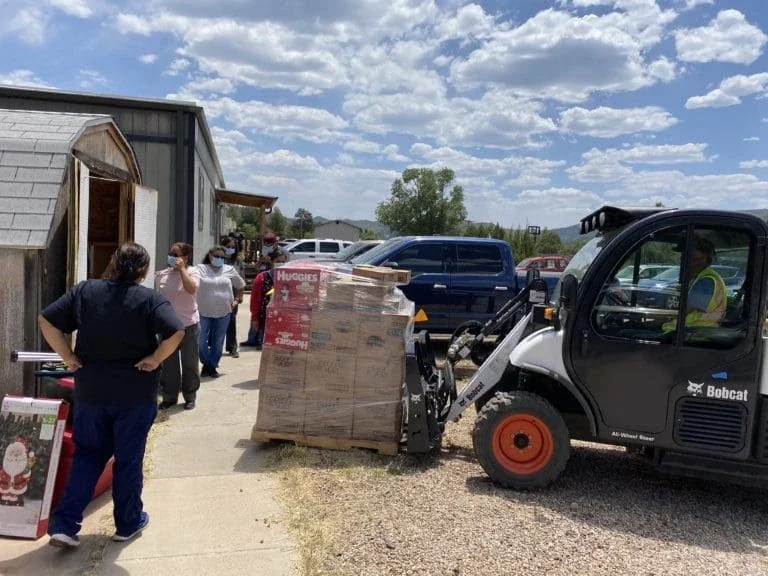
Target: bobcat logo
{"x": 695, "y": 389}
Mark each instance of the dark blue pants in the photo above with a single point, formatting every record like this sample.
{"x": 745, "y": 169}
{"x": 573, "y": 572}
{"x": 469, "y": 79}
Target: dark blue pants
{"x": 100, "y": 432}
{"x": 213, "y": 332}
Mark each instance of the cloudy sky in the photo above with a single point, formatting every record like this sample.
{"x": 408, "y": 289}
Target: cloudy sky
{"x": 545, "y": 109}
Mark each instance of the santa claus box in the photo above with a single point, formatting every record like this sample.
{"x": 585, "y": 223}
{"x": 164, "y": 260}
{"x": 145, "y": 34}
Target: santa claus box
{"x": 31, "y": 432}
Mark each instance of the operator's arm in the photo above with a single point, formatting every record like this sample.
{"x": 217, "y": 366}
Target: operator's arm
{"x": 190, "y": 279}
{"x": 58, "y": 319}
{"x": 171, "y": 330}
{"x": 700, "y": 294}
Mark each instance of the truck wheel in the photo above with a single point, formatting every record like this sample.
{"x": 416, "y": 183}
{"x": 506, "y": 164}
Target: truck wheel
{"x": 521, "y": 441}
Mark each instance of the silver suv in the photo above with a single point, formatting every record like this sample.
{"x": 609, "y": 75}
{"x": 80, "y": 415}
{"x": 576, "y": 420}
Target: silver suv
{"x": 315, "y": 248}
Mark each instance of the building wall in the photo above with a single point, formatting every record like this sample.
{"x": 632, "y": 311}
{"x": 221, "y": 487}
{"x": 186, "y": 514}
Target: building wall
{"x": 11, "y": 319}
{"x": 340, "y": 231}
{"x": 208, "y": 216}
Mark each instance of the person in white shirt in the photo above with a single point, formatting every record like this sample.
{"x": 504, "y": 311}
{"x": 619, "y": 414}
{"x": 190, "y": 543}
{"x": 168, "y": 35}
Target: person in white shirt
{"x": 181, "y": 370}
{"x": 221, "y": 289}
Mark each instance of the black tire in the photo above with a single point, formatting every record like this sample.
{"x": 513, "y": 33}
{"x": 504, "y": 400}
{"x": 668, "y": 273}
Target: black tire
{"x": 542, "y": 429}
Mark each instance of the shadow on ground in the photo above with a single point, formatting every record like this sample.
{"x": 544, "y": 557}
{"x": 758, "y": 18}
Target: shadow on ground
{"x": 611, "y": 490}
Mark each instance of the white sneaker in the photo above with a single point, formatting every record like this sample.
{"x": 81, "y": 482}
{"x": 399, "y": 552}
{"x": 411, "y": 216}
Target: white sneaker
{"x": 64, "y": 541}
{"x": 124, "y": 538}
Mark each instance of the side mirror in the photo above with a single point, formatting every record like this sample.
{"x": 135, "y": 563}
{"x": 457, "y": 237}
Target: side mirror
{"x": 531, "y": 275}
{"x": 568, "y": 290}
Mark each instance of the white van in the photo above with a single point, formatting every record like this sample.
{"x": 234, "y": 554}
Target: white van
{"x": 314, "y": 248}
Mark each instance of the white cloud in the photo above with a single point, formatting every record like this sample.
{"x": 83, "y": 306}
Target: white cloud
{"x": 148, "y": 58}
{"x": 511, "y": 171}
{"x": 730, "y": 92}
{"x": 280, "y": 121}
{"x": 29, "y": 24}
{"x": 470, "y": 20}
{"x": 557, "y": 55}
{"x": 691, "y": 4}
{"x": 749, "y": 164}
{"x": 728, "y": 38}
{"x": 752, "y": 139}
{"x": 362, "y": 147}
{"x": 78, "y": 8}
{"x": 604, "y": 122}
{"x": 610, "y": 165}
{"x": 392, "y": 153}
{"x": 25, "y": 78}
{"x": 177, "y": 66}
{"x": 91, "y": 79}
{"x": 498, "y": 119}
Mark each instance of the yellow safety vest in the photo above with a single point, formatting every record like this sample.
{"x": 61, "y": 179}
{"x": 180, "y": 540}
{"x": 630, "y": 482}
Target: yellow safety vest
{"x": 715, "y": 309}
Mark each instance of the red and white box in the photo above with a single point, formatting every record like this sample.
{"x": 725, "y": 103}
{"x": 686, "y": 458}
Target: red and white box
{"x": 31, "y": 433}
{"x": 297, "y": 286}
{"x": 287, "y": 328}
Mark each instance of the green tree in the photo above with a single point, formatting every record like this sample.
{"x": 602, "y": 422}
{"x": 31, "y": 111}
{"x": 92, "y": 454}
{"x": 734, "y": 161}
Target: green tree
{"x": 548, "y": 243}
{"x": 418, "y": 203}
{"x": 302, "y": 224}
{"x": 368, "y": 235}
{"x": 277, "y": 223}
{"x": 248, "y": 230}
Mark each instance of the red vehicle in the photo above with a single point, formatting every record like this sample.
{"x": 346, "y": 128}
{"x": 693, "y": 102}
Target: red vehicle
{"x": 543, "y": 263}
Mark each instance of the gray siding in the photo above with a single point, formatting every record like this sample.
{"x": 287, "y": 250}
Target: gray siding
{"x": 337, "y": 231}
{"x": 206, "y": 229}
{"x": 12, "y": 312}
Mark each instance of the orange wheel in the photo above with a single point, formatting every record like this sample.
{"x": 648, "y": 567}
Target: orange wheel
{"x": 521, "y": 440}
{"x": 523, "y": 444}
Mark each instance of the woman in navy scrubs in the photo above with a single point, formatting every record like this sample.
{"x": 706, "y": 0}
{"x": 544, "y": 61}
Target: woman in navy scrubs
{"x": 124, "y": 332}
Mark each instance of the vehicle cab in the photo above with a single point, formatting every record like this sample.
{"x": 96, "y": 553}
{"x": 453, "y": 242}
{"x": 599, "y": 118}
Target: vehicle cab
{"x": 674, "y": 367}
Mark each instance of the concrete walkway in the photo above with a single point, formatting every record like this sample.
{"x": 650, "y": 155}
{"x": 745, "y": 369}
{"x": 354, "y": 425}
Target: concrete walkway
{"x": 211, "y": 505}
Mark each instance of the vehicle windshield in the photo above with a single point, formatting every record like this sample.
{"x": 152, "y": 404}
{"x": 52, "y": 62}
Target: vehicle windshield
{"x": 583, "y": 259}
{"x": 344, "y": 253}
{"x": 673, "y": 274}
{"x": 374, "y": 253}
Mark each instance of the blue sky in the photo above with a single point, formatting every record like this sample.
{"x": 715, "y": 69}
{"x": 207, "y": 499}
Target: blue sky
{"x": 544, "y": 109}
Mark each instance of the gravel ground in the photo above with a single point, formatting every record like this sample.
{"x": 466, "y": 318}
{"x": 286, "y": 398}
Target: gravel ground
{"x": 363, "y": 514}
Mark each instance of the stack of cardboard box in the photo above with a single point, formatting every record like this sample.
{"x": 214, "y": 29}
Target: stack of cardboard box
{"x": 333, "y": 363}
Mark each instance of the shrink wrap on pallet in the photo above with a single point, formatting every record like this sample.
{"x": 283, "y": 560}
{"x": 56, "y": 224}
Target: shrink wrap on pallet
{"x": 333, "y": 364}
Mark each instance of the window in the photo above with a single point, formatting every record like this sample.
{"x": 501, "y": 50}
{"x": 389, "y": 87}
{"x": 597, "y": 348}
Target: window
{"x": 718, "y": 288}
{"x": 421, "y": 259}
{"x": 551, "y": 265}
{"x": 644, "y": 303}
{"x": 479, "y": 259}
{"x": 329, "y": 247}
{"x": 630, "y": 306}
{"x": 304, "y": 247}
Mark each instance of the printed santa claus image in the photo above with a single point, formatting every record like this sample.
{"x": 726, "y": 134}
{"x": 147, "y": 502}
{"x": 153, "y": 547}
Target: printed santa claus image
{"x": 16, "y": 472}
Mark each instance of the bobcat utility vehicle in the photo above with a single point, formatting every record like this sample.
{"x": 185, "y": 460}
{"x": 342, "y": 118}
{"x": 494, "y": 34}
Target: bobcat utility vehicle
{"x": 602, "y": 361}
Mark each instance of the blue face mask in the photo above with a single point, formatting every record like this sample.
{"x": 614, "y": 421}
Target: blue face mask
{"x": 217, "y": 261}
{"x": 171, "y": 261}
{"x": 229, "y": 251}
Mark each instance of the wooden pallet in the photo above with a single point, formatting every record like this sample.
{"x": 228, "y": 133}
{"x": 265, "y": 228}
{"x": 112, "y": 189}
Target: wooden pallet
{"x": 386, "y": 448}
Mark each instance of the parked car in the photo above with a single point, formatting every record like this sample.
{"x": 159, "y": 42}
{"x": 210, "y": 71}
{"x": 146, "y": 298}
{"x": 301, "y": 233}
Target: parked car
{"x": 645, "y": 272}
{"x": 454, "y": 279}
{"x": 351, "y": 251}
{"x": 543, "y": 263}
{"x": 313, "y": 248}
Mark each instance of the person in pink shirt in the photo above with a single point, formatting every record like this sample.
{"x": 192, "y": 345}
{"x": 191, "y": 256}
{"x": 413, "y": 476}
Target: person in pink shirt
{"x": 181, "y": 371}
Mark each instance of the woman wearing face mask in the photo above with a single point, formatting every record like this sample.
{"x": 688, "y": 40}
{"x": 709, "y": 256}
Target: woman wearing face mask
{"x": 221, "y": 289}
{"x": 178, "y": 283}
{"x": 232, "y": 259}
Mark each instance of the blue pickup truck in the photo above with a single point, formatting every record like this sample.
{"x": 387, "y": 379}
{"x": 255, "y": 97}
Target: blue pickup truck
{"x": 454, "y": 279}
